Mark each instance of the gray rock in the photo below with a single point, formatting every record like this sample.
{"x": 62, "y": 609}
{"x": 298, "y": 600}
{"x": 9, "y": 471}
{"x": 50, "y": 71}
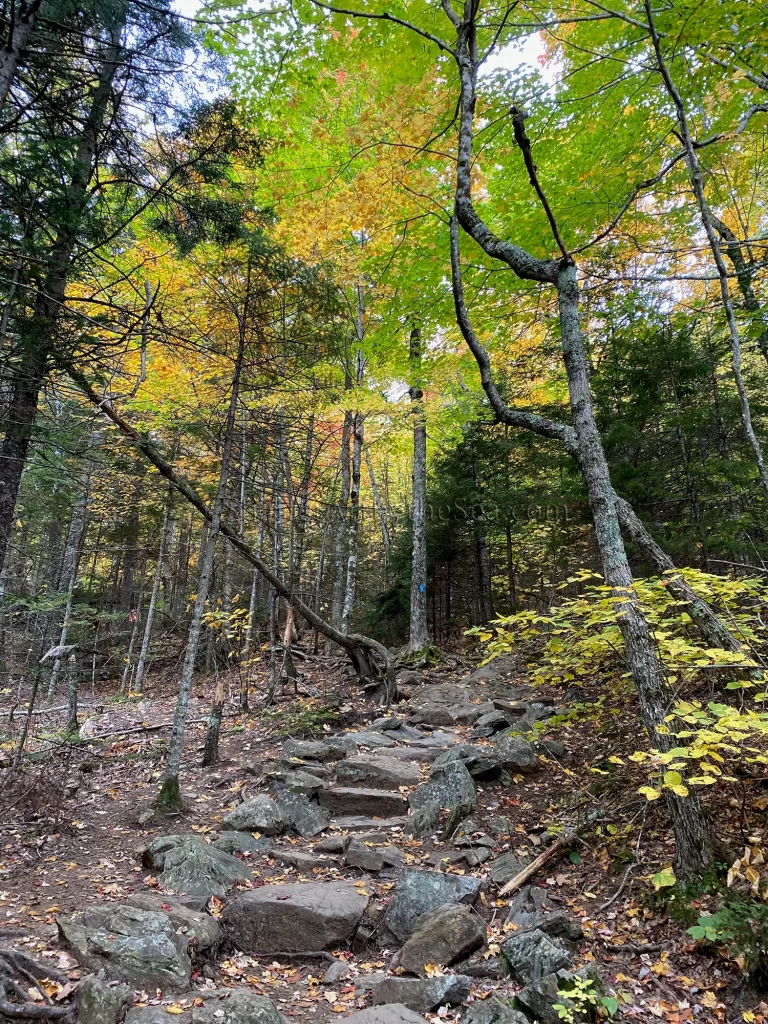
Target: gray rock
{"x": 100, "y": 1003}
{"x": 504, "y": 868}
{"x": 437, "y": 704}
{"x": 533, "y": 955}
{"x": 419, "y": 891}
{"x": 377, "y": 772}
{"x": 443, "y": 936}
{"x": 558, "y": 924}
{"x": 259, "y": 814}
{"x": 477, "y": 856}
{"x": 187, "y": 864}
{"x": 361, "y": 823}
{"x": 131, "y": 945}
{"x": 535, "y": 713}
{"x": 376, "y": 803}
{"x": 387, "y": 724}
{"x": 554, "y": 747}
{"x": 331, "y": 844}
{"x": 538, "y": 998}
{"x": 302, "y": 782}
{"x": 306, "y": 750}
{"x": 446, "y": 858}
{"x": 338, "y": 970}
{"x": 493, "y": 1011}
{"x": 423, "y": 994}
{"x": 225, "y": 1006}
{"x": 358, "y": 855}
{"x": 515, "y": 753}
{"x": 449, "y": 788}
{"x": 296, "y": 918}
{"x": 241, "y": 842}
{"x": 299, "y": 859}
{"x": 490, "y": 723}
{"x": 371, "y": 740}
{"x": 394, "y": 1013}
{"x": 302, "y": 814}
{"x": 197, "y": 927}
{"x": 342, "y": 746}
{"x": 500, "y": 826}
{"x": 416, "y": 752}
{"x": 468, "y": 753}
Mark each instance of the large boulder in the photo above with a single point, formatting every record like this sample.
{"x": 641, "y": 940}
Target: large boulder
{"x": 394, "y": 1013}
{"x": 533, "y": 955}
{"x": 222, "y": 1006}
{"x": 491, "y": 722}
{"x": 294, "y": 918}
{"x": 302, "y": 782}
{"x": 443, "y": 936}
{"x": 136, "y": 946}
{"x": 259, "y": 814}
{"x": 100, "y": 1003}
{"x": 424, "y": 994}
{"x": 418, "y": 892}
{"x": 302, "y": 814}
{"x": 197, "y": 927}
{"x": 187, "y": 864}
{"x": 444, "y": 704}
{"x": 377, "y": 771}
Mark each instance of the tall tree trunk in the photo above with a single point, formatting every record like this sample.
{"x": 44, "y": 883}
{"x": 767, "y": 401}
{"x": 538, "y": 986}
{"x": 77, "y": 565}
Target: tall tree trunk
{"x": 170, "y": 794}
{"x": 358, "y": 436}
{"x": 419, "y": 630}
{"x": 378, "y": 503}
{"x": 141, "y": 665}
{"x": 78, "y": 529}
{"x": 339, "y": 566}
{"x": 72, "y": 727}
{"x": 37, "y": 339}
{"x": 21, "y": 24}
{"x": 211, "y": 749}
{"x": 744, "y": 275}
{"x": 696, "y": 178}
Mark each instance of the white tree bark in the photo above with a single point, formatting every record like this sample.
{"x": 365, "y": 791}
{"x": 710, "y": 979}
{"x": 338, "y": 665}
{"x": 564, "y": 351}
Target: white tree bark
{"x": 141, "y": 665}
{"x": 419, "y": 632}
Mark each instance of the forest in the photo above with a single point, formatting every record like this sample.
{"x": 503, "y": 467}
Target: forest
{"x": 384, "y": 511}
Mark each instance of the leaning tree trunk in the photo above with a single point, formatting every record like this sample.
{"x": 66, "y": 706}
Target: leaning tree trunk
{"x": 419, "y": 630}
{"x": 744, "y": 275}
{"x": 358, "y": 428}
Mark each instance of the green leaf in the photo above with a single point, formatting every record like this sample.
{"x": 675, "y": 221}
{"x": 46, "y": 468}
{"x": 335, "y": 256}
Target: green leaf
{"x": 611, "y": 1003}
{"x": 574, "y": 857}
{"x": 663, "y": 879}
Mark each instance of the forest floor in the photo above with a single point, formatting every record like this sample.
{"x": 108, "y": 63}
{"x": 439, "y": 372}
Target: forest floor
{"x": 69, "y": 838}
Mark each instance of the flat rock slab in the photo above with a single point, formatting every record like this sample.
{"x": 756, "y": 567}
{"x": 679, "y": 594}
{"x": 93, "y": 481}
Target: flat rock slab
{"x": 371, "y": 740}
{"x": 423, "y": 994}
{"x": 417, "y": 752}
{"x": 533, "y": 955}
{"x": 225, "y": 1006}
{"x": 419, "y": 891}
{"x": 493, "y": 1011}
{"x": 197, "y": 927}
{"x": 301, "y": 860}
{"x": 377, "y": 772}
{"x": 241, "y": 842}
{"x": 504, "y": 868}
{"x": 394, "y": 1013}
{"x": 376, "y": 803}
{"x": 187, "y": 864}
{"x": 361, "y": 823}
{"x": 302, "y": 814}
{"x": 136, "y": 946}
{"x": 295, "y": 918}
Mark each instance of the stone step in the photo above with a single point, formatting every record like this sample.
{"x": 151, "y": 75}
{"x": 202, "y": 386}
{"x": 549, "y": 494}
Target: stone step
{"x": 361, "y": 823}
{"x": 377, "y": 772}
{"x": 375, "y": 803}
{"x": 426, "y": 755}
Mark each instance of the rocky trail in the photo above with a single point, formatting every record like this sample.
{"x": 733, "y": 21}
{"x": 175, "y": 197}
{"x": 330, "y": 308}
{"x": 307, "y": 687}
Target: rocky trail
{"x": 377, "y": 875}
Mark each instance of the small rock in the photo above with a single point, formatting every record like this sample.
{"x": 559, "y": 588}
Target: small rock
{"x": 491, "y": 722}
{"x": 500, "y": 826}
{"x": 532, "y": 955}
{"x": 387, "y": 724}
{"x": 479, "y": 855}
{"x": 538, "y": 998}
{"x": 331, "y": 844}
{"x": 554, "y": 747}
{"x": 298, "y": 859}
{"x": 306, "y": 750}
{"x": 336, "y": 972}
{"x": 366, "y": 858}
{"x": 371, "y": 740}
{"x": 515, "y": 753}
{"x": 504, "y": 868}
{"x": 302, "y": 782}
{"x": 423, "y": 995}
{"x": 259, "y": 814}
{"x": 443, "y": 936}
{"x": 449, "y": 788}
